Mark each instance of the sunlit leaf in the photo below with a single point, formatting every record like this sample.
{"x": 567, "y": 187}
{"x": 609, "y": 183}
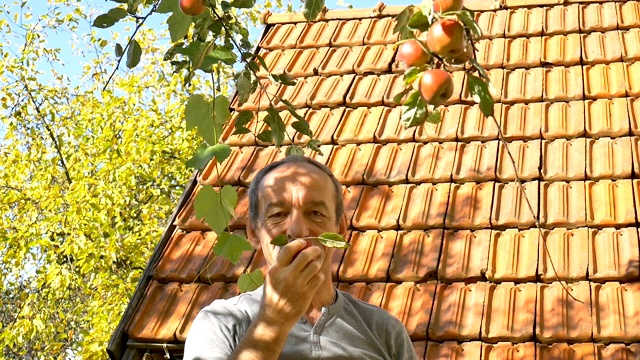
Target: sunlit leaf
{"x": 419, "y": 21}
{"x": 221, "y": 114}
{"x": 241, "y": 120}
{"x": 214, "y": 207}
{"x": 294, "y": 150}
{"x": 104, "y": 21}
{"x": 277, "y": 126}
{"x": 312, "y": 9}
{"x": 198, "y": 115}
{"x": 415, "y": 110}
{"x": 265, "y": 136}
{"x": 231, "y": 246}
{"x": 402, "y": 23}
{"x": 280, "y": 240}
{"x": 434, "y": 117}
{"x": 134, "y": 52}
{"x": 480, "y": 94}
{"x": 244, "y": 4}
{"x": 470, "y": 23}
{"x": 117, "y": 13}
{"x": 250, "y": 281}
{"x": 205, "y": 153}
{"x": 179, "y": 24}
{"x": 412, "y": 74}
{"x": 333, "y": 240}
{"x": 221, "y": 54}
{"x": 302, "y": 126}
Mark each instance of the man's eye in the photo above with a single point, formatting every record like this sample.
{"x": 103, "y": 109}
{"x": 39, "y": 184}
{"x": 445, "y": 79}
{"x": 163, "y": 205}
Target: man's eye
{"x": 278, "y": 215}
{"x": 317, "y": 213}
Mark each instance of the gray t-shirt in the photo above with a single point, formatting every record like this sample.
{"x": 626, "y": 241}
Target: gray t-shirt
{"x": 348, "y": 329}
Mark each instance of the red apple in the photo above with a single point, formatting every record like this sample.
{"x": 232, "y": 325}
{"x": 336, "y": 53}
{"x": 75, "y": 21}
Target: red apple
{"x": 192, "y": 7}
{"x": 411, "y": 53}
{"x": 464, "y": 56}
{"x": 443, "y": 6}
{"x": 447, "y": 38}
{"x": 436, "y": 86}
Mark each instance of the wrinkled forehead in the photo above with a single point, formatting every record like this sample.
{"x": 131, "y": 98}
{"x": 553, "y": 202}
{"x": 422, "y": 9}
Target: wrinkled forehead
{"x": 304, "y": 179}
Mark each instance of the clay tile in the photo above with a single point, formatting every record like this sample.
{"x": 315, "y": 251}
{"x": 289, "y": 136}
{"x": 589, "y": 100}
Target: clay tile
{"x": 606, "y": 117}
{"x": 305, "y": 63}
{"x": 339, "y": 61}
{"x": 522, "y": 85}
{"x": 258, "y": 262}
{"x": 255, "y": 126}
{"x": 464, "y": 255}
{"x": 632, "y": 78}
{"x": 433, "y": 162}
{"x": 276, "y": 61}
{"x": 370, "y": 293}
{"x": 349, "y": 162}
{"x": 482, "y": 5}
{"x": 350, "y": 33}
{"x": 559, "y": 317}
{"x": 561, "y": 50}
{"x": 375, "y": 59}
{"x": 635, "y": 155}
{"x": 218, "y": 268}
{"x": 473, "y": 125}
{"x": 510, "y": 207}
{"x": 527, "y": 159}
{"x": 424, "y": 206}
{"x": 610, "y": 203}
{"x": 380, "y": 32}
{"x": 563, "y": 83}
{"x": 452, "y": 350}
{"x": 446, "y": 130}
{"x": 390, "y": 129}
{"x": 186, "y": 219}
{"x": 183, "y": 257}
{"x": 521, "y": 3}
{"x": 524, "y": 22}
{"x": 157, "y": 317}
{"x": 368, "y": 257}
{"x": 241, "y": 211}
{"x": 613, "y": 254}
{"x": 522, "y": 52}
{"x": 604, "y": 81}
{"x": 358, "y": 125}
{"x": 601, "y": 47}
{"x": 322, "y": 123}
{"x": 598, "y": 17}
{"x": 614, "y": 317}
{"x": 420, "y": 348}
{"x": 368, "y": 90}
{"x": 381, "y": 209}
{"x": 338, "y": 257}
{"x": 501, "y": 323}
{"x": 475, "y": 161}
{"x": 316, "y": 34}
{"x": 609, "y": 158}
{"x": 259, "y": 99}
{"x": 564, "y": 160}
{"x": 628, "y": 14}
{"x": 282, "y": 36}
{"x": 229, "y": 170}
{"x": 260, "y": 158}
{"x": 490, "y": 52}
{"x": 561, "y": 20}
{"x": 630, "y": 43}
{"x": 513, "y": 255}
{"x": 492, "y": 23}
{"x": 563, "y": 120}
{"x": 411, "y": 304}
{"x": 458, "y": 84}
{"x": 580, "y": 351}
{"x": 634, "y": 114}
{"x": 562, "y": 204}
{"x": 521, "y": 121}
{"x": 288, "y": 119}
{"x": 351, "y": 197}
{"x": 389, "y": 164}
{"x": 507, "y": 350}
{"x": 330, "y": 91}
{"x": 457, "y": 311}
{"x": 395, "y": 87}
{"x": 565, "y": 256}
{"x": 470, "y": 205}
{"x": 415, "y": 256}
{"x": 616, "y": 351}
{"x": 496, "y": 77}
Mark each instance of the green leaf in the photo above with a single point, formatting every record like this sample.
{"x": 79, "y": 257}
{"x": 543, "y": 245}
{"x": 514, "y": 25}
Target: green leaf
{"x": 402, "y": 23}
{"x": 221, "y": 54}
{"x": 265, "y": 136}
{"x": 249, "y": 282}
{"x": 231, "y": 246}
{"x": 104, "y": 21}
{"x": 167, "y": 6}
{"x": 302, "y": 126}
{"x": 119, "y": 50}
{"x": 132, "y": 7}
{"x": 207, "y": 205}
{"x": 280, "y": 240}
{"x": 480, "y": 69}
{"x": 221, "y": 114}
{"x": 314, "y": 144}
{"x": 294, "y": 150}
{"x": 333, "y": 240}
{"x": 414, "y": 112}
{"x": 243, "y": 4}
{"x": 312, "y": 9}
{"x": 229, "y": 198}
{"x": 419, "y": 21}
{"x": 198, "y": 115}
{"x": 398, "y": 97}
{"x": 117, "y": 13}
{"x": 283, "y": 78}
{"x": 243, "y": 118}
{"x": 179, "y": 24}
{"x": 134, "y": 52}
{"x": 191, "y": 50}
{"x": 470, "y": 23}
{"x": 275, "y": 123}
{"x": 292, "y": 109}
{"x": 205, "y": 153}
{"x": 480, "y": 93}
{"x": 261, "y": 62}
{"x": 412, "y": 74}
{"x": 434, "y": 117}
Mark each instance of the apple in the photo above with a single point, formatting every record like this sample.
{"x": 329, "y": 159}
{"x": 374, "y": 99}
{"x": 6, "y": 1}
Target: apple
{"x": 447, "y": 38}
{"x": 436, "y": 86}
{"x": 192, "y": 7}
{"x": 411, "y": 53}
{"x": 464, "y": 56}
{"x": 443, "y": 6}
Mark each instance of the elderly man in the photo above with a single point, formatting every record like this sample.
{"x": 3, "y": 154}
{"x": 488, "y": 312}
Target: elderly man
{"x": 297, "y": 313}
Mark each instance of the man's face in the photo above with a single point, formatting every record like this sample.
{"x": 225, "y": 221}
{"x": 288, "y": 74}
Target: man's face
{"x": 298, "y": 201}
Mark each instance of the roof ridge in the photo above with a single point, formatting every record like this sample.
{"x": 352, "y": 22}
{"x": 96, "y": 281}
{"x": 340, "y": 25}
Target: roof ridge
{"x": 379, "y": 10}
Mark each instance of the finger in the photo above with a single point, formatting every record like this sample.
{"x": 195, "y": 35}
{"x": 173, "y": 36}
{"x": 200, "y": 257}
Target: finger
{"x": 287, "y": 253}
{"x": 304, "y": 257}
{"x": 310, "y": 270}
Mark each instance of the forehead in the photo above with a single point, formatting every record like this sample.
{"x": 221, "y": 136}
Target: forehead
{"x": 300, "y": 180}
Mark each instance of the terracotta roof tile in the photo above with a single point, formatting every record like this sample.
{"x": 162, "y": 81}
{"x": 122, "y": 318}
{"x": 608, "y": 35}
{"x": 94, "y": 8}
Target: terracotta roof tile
{"x": 458, "y": 84}
{"x": 282, "y": 36}
{"x": 475, "y": 161}
{"x": 258, "y": 100}
{"x": 339, "y": 61}
{"x": 447, "y": 129}
{"x": 186, "y": 219}
{"x": 415, "y": 256}
{"x": 610, "y": 203}
{"x": 396, "y": 86}
{"x": 604, "y": 81}
{"x": 564, "y": 159}
{"x": 598, "y": 17}
{"x": 522, "y": 52}
{"x": 323, "y": 124}
{"x": 635, "y": 155}
{"x": 507, "y": 350}
{"x": 490, "y": 52}
{"x": 632, "y": 78}
{"x": 492, "y": 23}
{"x": 521, "y": 3}
{"x": 482, "y": 5}
{"x": 382, "y": 208}
{"x": 502, "y": 322}
{"x": 496, "y": 76}
{"x": 390, "y": 129}
{"x": 452, "y": 350}
{"x": 634, "y": 115}
{"x": 613, "y": 254}
{"x": 424, "y": 206}
{"x": 433, "y": 162}
{"x": 512, "y": 255}
{"x": 464, "y": 255}
{"x": 389, "y": 164}
{"x": 606, "y": 117}
{"x": 562, "y": 204}
{"x": 260, "y": 158}
{"x": 563, "y": 120}
{"x": 527, "y": 158}
{"x": 287, "y": 119}
{"x": 561, "y": 20}
{"x": 380, "y": 32}
{"x": 561, "y": 49}
{"x": 628, "y": 14}
{"x": 368, "y": 257}
{"x": 204, "y": 295}
{"x": 255, "y": 125}
{"x": 368, "y": 90}
{"x": 322, "y": 156}
{"x": 563, "y": 83}
{"x": 470, "y": 205}
{"x": 616, "y": 351}
{"x": 338, "y": 257}
{"x": 420, "y": 348}
{"x": 358, "y": 125}
{"x": 375, "y": 59}
{"x": 259, "y": 262}
{"x": 276, "y": 61}
{"x": 561, "y": 318}
{"x": 630, "y": 43}
{"x": 474, "y": 125}
{"x": 316, "y": 34}
{"x": 457, "y": 311}
{"x": 522, "y": 85}
{"x": 330, "y": 91}
{"x": 566, "y": 252}
{"x": 510, "y": 208}
{"x": 183, "y": 257}
{"x": 411, "y": 304}
{"x": 351, "y": 197}
{"x": 580, "y": 351}
{"x": 305, "y": 62}
{"x": 350, "y": 32}
{"x": 349, "y": 162}
{"x": 521, "y": 121}
{"x": 601, "y": 47}
{"x": 218, "y": 268}
{"x": 614, "y": 316}
{"x": 524, "y": 22}
{"x": 372, "y": 293}
{"x": 609, "y": 158}
{"x": 229, "y": 170}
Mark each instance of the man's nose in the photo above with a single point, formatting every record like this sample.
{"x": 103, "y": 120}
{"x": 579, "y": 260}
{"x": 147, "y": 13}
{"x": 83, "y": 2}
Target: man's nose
{"x": 296, "y": 226}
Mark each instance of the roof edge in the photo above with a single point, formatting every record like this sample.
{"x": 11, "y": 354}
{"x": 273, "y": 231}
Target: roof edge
{"x": 379, "y": 10}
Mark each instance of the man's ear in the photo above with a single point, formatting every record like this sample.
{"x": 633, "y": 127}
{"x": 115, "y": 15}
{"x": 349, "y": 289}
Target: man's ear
{"x": 342, "y": 226}
{"x": 252, "y": 236}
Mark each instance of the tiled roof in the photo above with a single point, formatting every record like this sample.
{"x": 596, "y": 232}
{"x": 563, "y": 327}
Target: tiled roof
{"x": 441, "y": 235}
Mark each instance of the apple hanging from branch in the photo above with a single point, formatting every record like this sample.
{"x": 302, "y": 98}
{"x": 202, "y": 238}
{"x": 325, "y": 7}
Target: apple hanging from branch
{"x": 192, "y": 7}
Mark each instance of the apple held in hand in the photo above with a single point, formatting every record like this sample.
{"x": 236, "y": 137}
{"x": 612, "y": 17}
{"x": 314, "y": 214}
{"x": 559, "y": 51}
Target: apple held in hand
{"x": 447, "y": 38}
{"x": 443, "y": 6}
{"x": 192, "y": 7}
{"x": 411, "y": 53}
{"x": 436, "y": 86}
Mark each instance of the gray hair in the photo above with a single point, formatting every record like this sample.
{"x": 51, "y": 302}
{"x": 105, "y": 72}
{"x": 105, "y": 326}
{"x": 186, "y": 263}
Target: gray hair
{"x": 293, "y": 160}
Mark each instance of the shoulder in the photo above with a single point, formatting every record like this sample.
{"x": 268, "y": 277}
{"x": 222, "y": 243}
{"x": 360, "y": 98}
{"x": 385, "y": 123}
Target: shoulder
{"x": 240, "y": 308}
